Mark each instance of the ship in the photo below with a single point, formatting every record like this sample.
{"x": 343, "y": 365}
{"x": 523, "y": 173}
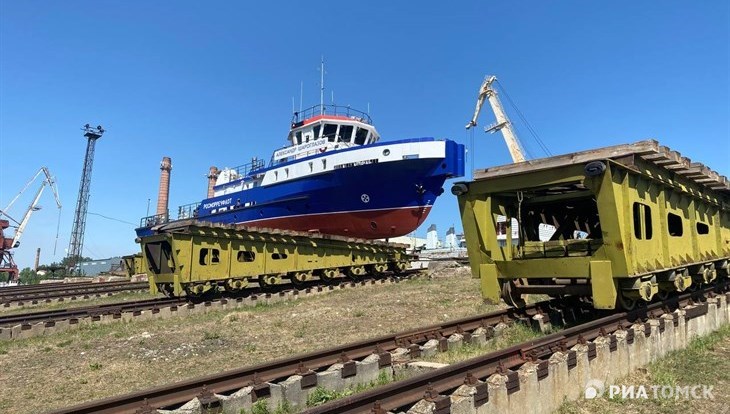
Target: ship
{"x": 335, "y": 176}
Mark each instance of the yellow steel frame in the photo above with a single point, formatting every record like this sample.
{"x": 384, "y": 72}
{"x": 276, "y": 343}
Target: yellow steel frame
{"x": 200, "y": 255}
{"x": 620, "y": 255}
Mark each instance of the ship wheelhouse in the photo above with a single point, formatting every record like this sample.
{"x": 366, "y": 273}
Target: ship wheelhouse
{"x": 326, "y": 127}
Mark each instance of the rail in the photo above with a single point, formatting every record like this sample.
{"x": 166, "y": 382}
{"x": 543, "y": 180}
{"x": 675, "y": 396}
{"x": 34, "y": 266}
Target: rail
{"x": 337, "y": 110}
{"x": 434, "y": 385}
{"x": 45, "y": 294}
{"x": 258, "y": 375}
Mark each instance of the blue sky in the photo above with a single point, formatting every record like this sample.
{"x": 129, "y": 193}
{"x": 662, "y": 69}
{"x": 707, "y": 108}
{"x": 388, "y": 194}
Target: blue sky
{"x": 211, "y": 83}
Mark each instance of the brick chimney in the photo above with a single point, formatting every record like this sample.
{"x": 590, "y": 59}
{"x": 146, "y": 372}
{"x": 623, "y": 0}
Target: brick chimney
{"x": 164, "y": 193}
{"x": 212, "y": 176}
{"x": 37, "y": 259}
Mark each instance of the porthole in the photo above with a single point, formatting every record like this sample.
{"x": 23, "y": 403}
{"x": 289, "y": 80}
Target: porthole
{"x": 386, "y": 152}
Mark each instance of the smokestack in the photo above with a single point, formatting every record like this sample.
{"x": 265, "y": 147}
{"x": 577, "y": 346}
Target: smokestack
{"x": 37, "y": 259}
{"x": 164, "y": 192}
{"x": 212, "y": 176}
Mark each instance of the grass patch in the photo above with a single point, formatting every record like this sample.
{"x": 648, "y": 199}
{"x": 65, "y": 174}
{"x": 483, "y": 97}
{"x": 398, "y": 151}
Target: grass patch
{"x": 177, "y": 342}
{"x": 209, "y": 336}
{"x": 262, "y": 407}
{"x": 321, "y": 395}
{"x": 64, "y": 343}
{"x": 512, "y": 335}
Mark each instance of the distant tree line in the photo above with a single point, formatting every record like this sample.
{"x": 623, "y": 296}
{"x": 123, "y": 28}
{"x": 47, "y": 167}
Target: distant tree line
{"x": 55, "y": 270}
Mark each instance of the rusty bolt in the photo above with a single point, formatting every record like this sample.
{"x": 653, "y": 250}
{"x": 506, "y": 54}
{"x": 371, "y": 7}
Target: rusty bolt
{"x": 500, "y": 368}
{"x": 145, "y": 408}
{"x": 301, "y": 369}
{"x": 470, "y": 379}
{"x": 377, "y": 409}
{"x": 430, "y": 393}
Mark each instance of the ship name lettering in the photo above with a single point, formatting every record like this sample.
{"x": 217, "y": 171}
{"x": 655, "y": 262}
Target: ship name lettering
{"x": 356, "y": 163}
{"x": 218, "y": 203}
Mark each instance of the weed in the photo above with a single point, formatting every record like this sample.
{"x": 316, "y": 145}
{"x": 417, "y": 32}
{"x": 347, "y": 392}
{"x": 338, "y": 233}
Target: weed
{"x": 95, "y": 366}
{"x": 261, "y": 407}
{"x": 321, "y": 395}
{"x": 47, "y": 349}
{"x": 358, "y": 314}
{"x": 64, "y": 343}
{"x": 208, "y": 336}
{"x": 514, "y": 334}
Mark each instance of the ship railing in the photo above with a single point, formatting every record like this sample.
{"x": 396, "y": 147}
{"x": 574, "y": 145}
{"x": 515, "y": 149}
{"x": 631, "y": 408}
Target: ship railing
{"x": 331, "y": 110}
{"x": 188, "y": 211}
{"x": 243, "y": 170}
{"x": 150, "y": 221}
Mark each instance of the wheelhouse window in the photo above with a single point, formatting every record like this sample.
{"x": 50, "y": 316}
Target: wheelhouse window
{"x": 330, "y": 132}
{"x": 346, "y": 133}
{"x": 299, "y": 137}
{"x": 316, "y": 131}
{"x": 360, "y": 136}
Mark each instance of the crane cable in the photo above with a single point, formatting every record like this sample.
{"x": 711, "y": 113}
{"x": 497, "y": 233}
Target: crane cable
{"x": 58, "y": 228}
{"x": 473, "y": 153}
{"x": 524, "y": 119}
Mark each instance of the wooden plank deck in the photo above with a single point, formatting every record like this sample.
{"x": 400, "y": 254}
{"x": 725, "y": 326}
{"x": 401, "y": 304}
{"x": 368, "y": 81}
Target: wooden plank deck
{"x": 649, "y": 150}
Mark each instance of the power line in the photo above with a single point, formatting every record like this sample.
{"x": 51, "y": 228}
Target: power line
{"x": 112, "y": 218}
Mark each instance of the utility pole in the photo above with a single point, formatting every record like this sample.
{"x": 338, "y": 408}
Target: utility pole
{"x": 76, "y": 246}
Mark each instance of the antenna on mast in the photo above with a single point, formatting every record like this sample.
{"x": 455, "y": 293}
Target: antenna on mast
{"x": 301, "y": 94}
{"x": 321, "y": 86}
{"x": 293, "y": 109}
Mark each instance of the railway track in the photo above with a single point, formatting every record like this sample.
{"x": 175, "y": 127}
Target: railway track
{"x": 436, "y": 385}
{"x": 259, "y": 376}
{"x": 400, "y": 395}
{"x": 24, "y": 295}
{"x": 37, "y": 323}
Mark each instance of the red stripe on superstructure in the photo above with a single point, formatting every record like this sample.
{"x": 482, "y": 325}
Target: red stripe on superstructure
{"x": 332, "y": 117}
{"x": 379, "y": 224}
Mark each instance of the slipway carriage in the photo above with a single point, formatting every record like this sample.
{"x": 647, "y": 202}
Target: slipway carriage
{"x": 620, "y": 225}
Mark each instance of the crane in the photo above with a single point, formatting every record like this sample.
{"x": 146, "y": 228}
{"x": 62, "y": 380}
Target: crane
{"x": 7, "y": 243}
{"x": 487, "y": 92}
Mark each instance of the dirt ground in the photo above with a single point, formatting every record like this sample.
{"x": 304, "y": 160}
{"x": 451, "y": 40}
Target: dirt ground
{"x": 98, "y": 361}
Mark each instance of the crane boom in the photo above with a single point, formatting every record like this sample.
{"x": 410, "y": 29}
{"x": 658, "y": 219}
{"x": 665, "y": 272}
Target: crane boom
{"x": 49, "y": 181}
{"x": 486, "y": 92}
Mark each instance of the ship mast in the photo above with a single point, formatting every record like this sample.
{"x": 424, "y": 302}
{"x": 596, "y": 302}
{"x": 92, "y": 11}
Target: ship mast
{"x": 486, "y": 92}
{"x": 321, "y": 86}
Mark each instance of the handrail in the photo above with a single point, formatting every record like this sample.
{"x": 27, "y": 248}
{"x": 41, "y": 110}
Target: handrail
{"x": 331, "y": 110}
